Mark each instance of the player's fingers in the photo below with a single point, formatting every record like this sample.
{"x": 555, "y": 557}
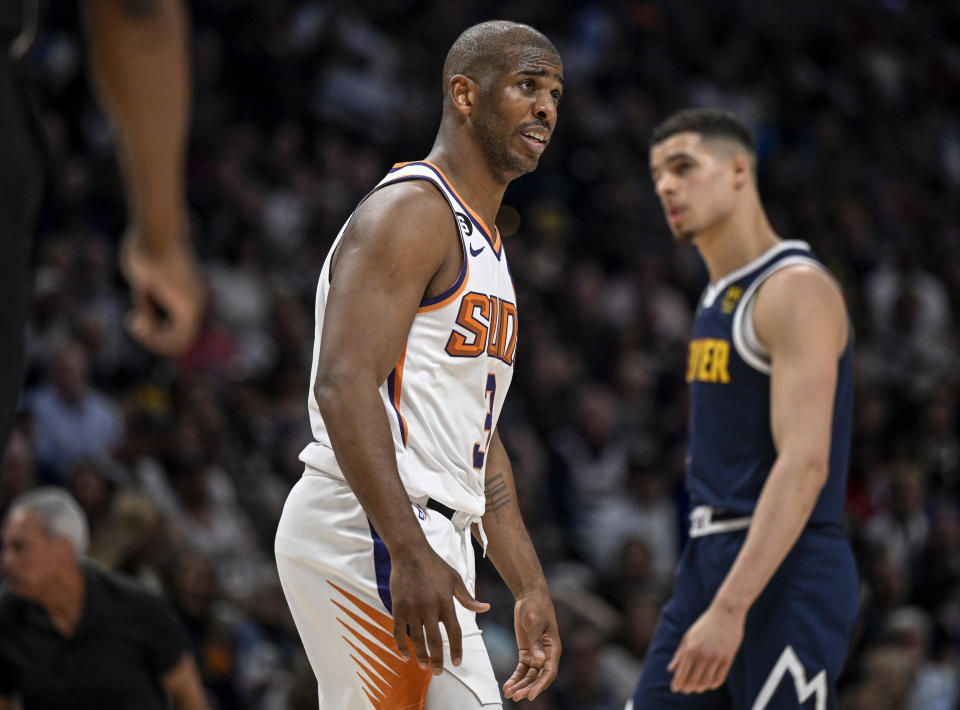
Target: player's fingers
{"x": 720, "y": 673}
{"x": 463, "y": 596}
{"x": 701, "y": 677}
{"x": 139, "y": 316}
{"x": 419, "y": 645}
{"x": 514, "y": 680}
{"x": 454, "y": 635}
{"x": 435, "y": 646}
{"x": 682, "y": 674}
{"x": 674, "y": 662}
{"x": 515, "y": 677}
{"x": 523, "y": 687}
{"x": 400, "y": 636}
{"x": 547, "y": 675}
{"x": 166, "y": 335}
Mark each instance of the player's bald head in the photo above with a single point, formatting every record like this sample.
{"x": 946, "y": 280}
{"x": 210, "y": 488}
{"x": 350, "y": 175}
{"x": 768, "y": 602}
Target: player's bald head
{"x": 485, "y": 50}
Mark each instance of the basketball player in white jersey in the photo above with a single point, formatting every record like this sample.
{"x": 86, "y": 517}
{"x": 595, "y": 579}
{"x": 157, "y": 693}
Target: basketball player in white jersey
{"x": 415, "y": 344}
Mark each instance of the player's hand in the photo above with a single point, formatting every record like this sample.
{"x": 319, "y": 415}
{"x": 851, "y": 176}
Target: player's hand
{"x": 168, "y": 293}
{"x": 707, "y": 650}
{"x": 538, "y": 642}
{"x": 423, "y": 588}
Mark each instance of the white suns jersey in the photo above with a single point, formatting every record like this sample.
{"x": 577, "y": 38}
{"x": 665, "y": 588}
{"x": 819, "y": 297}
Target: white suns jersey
{"x": 444, "y": 395}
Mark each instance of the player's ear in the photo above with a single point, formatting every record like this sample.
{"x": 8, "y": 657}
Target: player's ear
{"x": 463, "y": 93}
{"x": 742, "y": 170}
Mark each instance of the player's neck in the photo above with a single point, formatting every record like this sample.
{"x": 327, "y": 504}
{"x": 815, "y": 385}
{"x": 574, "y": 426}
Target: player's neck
{"x": 467, "y": 171}
{"x": 735, "y": 242}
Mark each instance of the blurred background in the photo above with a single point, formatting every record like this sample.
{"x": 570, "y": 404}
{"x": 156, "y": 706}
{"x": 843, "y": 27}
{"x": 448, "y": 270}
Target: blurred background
{"x": 301, "y": 106}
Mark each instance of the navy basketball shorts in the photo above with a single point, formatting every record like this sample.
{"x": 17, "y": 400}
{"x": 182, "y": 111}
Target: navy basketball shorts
{"x": 796, "y": 637}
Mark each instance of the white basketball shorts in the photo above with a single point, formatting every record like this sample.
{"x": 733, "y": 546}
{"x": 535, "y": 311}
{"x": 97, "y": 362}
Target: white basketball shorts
{"x": 335, "y": 573}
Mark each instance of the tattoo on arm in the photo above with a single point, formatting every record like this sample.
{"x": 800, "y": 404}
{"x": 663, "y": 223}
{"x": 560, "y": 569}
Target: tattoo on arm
{"x": 497, "y": 492}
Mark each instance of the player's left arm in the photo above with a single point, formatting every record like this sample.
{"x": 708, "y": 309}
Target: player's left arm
{"x": 511, "y": 551}
{"x": 182, "y": 683}
{"x": 800, "y": 317}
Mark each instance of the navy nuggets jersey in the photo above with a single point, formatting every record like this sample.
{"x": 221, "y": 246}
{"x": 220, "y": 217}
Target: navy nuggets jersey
{"x": 731, "y": 445}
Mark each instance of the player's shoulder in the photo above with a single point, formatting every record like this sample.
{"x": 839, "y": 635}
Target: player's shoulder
{"x": 801, "y": 280}
{"x": 415, "y": 201}
{"x": 402, "y": 223}
{"x": 799, "y": 302}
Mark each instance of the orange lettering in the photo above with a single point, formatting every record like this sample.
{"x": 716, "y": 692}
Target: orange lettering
{"x": 458, "y": 345}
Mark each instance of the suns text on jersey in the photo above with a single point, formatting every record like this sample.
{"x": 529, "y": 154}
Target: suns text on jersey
{"x": 489, "y": 326}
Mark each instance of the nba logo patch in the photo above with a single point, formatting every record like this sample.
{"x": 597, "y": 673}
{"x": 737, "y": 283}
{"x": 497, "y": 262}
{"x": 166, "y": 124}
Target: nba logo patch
{"x": 731, "y": 298}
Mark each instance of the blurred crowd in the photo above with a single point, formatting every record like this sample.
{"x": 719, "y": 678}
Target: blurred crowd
{"x": 300, "y": 106}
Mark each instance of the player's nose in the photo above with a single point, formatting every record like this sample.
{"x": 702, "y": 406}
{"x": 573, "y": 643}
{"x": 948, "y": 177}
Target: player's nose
{"x": 665, "y": 185}
{"x": 545, "y": 107}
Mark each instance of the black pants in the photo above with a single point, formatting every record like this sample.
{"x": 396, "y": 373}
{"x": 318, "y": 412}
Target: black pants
{"x": 21, "y": 183}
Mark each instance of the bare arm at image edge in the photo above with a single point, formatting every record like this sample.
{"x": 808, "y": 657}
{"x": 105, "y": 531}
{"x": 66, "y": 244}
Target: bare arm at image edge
{"x": 141, "y": 69}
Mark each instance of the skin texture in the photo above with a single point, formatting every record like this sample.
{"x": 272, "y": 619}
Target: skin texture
{"x": 43, "y": 568}
{"x": 512, "y": 553}
{"x": 403, "y": 245}
{"x": 709, "y": 197}
{"x": 140, "y": 67}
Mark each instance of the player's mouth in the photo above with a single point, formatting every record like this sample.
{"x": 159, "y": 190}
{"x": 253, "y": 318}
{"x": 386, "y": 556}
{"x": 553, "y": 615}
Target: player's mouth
{"x": 675, "y": 213}
{"x": 536, "y": 139}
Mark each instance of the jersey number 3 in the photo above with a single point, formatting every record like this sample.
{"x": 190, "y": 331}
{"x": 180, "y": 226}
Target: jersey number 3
{"x": 491, "y": 392}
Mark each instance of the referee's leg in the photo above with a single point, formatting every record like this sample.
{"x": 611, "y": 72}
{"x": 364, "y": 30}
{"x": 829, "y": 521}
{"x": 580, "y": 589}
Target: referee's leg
{"x": 20, "y": 193}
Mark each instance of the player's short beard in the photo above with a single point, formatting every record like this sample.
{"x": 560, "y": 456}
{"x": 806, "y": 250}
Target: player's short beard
{"x": 493, "y": 135}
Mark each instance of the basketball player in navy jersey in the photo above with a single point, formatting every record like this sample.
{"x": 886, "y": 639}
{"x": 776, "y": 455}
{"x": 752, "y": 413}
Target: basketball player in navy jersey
{"x": 765, "y": 596}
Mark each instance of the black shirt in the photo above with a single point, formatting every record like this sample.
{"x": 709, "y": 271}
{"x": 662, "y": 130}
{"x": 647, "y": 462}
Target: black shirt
{"x": 125, "y": 640}
{"x": 12, "y": 15}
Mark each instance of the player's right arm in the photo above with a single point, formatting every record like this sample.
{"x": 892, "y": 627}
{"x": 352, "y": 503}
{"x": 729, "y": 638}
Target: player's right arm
{"x": 5, "y": 703}
{"x": 401, "y": 245}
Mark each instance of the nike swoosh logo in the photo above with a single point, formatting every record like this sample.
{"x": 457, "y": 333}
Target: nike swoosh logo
{"x": 475, "y": 253}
